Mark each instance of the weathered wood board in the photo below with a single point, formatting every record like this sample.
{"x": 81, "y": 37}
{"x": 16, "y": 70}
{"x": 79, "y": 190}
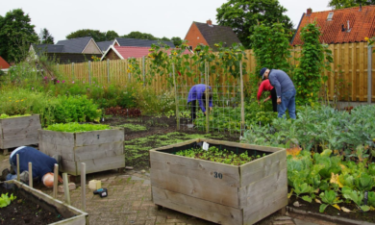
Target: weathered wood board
{"x": 100, "y": 150}
{"x": 217, "y": 192}
{"x": 80, "y": 218}
{"x": 19, "y": 131}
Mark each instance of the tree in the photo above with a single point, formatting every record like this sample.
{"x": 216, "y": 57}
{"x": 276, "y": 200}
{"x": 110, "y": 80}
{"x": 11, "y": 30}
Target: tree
{"x": 111, "y": 35}
{"x": 16, "y": 35}
{"x": 243, "y": 15}
{"x": 140, "y": 35}
{"x": 45, "y": 37}
{"x": 95, "y": 34}
{"x": 339, "y": 4}
{"x": 176, "y": 41}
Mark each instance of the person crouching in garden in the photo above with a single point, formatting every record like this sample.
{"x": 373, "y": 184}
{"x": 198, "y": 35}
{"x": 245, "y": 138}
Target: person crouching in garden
{"x": 285, "y": 90}
{"x": 42, "y": 166}
{"x": 266, "y": 86}
{"x": 198, "y": 93}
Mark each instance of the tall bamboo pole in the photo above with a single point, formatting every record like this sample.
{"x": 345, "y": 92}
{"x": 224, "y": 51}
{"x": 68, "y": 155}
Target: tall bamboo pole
{"x": 175, "y": 97}
{"x": 207, "y": 97}
{"x": 242, "y": 102}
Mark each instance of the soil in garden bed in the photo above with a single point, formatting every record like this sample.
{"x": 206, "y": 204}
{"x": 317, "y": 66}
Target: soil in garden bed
{"x": 28, "y": 209}
{"x": 354, "y": 215}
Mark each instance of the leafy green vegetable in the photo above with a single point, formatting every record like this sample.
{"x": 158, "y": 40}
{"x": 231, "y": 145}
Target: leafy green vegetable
{"x": 330, "y": 198}
{"x": 5, "y": 200}
{"x": 76, "y": 127}
{"x": 364, "y": 182}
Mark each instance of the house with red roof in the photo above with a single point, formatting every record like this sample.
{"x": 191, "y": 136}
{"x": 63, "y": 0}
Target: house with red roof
{"x": 125, "y": 52}
{"x": 3, "y": 64}
{"x": 341, "y": 25}
{"x": 209, "y": 34}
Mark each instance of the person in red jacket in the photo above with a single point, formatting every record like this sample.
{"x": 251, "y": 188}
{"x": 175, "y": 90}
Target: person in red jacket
{"x": 266, "y": 86}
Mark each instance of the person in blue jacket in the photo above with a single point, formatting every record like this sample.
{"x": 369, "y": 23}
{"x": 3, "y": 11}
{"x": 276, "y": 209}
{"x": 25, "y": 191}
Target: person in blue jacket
{"x": 197, "y": 93}
{"x": 42, "y": 164}
{"x": 285, "y": 90}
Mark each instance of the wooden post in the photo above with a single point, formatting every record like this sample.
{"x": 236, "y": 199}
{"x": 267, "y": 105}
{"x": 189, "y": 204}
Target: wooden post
{"x": 143, "y": 71}
{"x": 30, "y": 175}
{"x": 83, "y": 185}
{"x": 207, "y": 97}
{"x": 55, "y": 179}
{"x": 242, "y": 102}
{"x": 369, "y": 74}
{"x": 73, "y": 70}
{"x": 108, "y": 71}
{"x": 18, "y": 167}
{"x": 66, "y": 188}
{"x": 89, "y": 72}
{"x": 175, "y": 97}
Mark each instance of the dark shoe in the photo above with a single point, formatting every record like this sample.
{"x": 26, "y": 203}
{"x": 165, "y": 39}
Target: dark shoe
{"x": 24, "y": 177}
{"x": 4, "y": 174}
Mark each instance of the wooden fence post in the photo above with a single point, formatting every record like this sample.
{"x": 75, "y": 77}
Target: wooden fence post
{"x": 73, "y": 70}
{"x": 83, "y": 185}
{"x": 369, "y": 74}
{"x": 89, "y": 72}
{"x": 30, "y": 174}
{"x": 108, "y": 71}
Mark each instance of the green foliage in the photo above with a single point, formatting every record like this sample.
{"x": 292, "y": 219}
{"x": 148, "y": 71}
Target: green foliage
{"x": 251, "y": 13}
{"x": 315, "y": 57}
{"x": 271, "y": 46}
{"x": 177, "y": 41}
{"x": 75, "y": 109}
{"x": 231, "y": 59}
{"x": 340, "y": 4}
{"x": 133, "y": 127}
{"x": 76, "y": 127}
{"x": 140, "y": 35}
{"x": 16, "y": 35}
{"x": 95, "y": 34}
{"x": 5, "y": 200}
{"x": 5, "y": 116}
{"x": 45, "y": 37}
{"x": 329, "y": 198}
{"x": 215, "y": 154}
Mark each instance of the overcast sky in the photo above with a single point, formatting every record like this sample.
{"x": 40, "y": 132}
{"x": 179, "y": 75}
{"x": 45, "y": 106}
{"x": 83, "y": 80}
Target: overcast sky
{"x": 169, "y": 18}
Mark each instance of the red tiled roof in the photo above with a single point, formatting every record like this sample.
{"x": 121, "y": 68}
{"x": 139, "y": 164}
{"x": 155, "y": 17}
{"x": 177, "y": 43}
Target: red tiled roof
{"x": 3, "y": 64}
{"x": 361, "y": 25}
{"x": 135, "y": 52}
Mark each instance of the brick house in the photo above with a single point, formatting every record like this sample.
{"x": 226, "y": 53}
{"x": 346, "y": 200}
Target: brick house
{"x": 3, "y": 64}
{"x": 209, "y": 34}
{"x": 341, "y": 25}
{"x": 67, "y": 51}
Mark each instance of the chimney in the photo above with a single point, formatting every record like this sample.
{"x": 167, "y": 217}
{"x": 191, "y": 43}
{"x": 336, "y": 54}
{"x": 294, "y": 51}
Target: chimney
{"x": 308, "y": 11}
{"x": 209, "y": 22}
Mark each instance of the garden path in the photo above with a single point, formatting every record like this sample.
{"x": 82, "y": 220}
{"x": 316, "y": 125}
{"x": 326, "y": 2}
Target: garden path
{"x": 129, "y": 202}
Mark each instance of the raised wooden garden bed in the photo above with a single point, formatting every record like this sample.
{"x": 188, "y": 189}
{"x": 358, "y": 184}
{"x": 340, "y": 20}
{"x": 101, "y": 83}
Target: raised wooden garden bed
{"x": 99, "y": 150}
{"x": 217, "y": 192}
{"x": 71, "y": 215}
{"x": 19, "y": 131}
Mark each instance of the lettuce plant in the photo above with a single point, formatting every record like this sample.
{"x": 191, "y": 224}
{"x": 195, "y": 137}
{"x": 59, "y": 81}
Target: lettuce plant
{"x": 329, "y": 198}
{"x": 5, "y": 200}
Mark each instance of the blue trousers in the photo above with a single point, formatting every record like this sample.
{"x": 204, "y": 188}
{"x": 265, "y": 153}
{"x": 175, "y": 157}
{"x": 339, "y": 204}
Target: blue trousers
{"x": 288, "y": 101}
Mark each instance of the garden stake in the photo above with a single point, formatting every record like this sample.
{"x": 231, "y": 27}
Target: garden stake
{"x": 83, "y": 185}
{"x": 207, "y": 98}
{"x": 175, "y": 96}
{"x": 66, "y": 188}
{"x": 55, "y": 179}
{"x": 30, "y": 175}
{"x": 18, "y": 167}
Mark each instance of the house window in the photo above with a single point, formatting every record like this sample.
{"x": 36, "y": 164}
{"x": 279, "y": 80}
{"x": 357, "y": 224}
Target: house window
{"x": 330, "y": 15}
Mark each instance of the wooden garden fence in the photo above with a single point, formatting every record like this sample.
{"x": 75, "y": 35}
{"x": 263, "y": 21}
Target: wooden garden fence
{"x": 351, "y": 73}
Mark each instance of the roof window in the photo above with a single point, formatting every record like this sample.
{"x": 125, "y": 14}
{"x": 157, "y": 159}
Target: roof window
{"x": 330, "y": 15}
